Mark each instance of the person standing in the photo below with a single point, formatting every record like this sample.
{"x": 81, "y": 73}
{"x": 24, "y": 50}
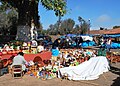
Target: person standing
{"x": 108, "y": 44}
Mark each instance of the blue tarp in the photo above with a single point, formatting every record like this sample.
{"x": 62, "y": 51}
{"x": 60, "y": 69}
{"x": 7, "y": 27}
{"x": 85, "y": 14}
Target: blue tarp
{"x": 112, "y": 36}
{"x": 71, "y": 35}
{"x": 88, "y": 43}
{"x": 115, "y": 45}
{"x": 73, "y": 45}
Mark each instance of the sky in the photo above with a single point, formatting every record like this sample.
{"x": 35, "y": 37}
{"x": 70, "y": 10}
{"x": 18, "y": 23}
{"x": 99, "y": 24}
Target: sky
{"x": 102, "y": 13}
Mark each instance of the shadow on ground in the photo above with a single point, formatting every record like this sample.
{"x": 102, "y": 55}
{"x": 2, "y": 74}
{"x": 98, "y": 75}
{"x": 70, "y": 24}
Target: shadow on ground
{"x": 117, "y": 80}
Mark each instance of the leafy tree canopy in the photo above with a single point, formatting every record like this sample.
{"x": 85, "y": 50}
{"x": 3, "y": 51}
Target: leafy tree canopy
{"x": 84, "y": 25}
{"x": 65, "y": 27}
{"x": 114, "y": 27}
{"x": 59, "y": 6}
{"x": 8, "y": 17}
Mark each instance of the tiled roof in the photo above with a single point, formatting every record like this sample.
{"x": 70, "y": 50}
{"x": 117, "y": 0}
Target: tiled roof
{"x": 110, "y": 31}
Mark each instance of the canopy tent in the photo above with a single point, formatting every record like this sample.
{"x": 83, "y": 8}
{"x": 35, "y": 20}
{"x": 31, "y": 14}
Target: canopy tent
{"x": 86, "y": 38}
{"x": 112, "y": 36}
{"x": 71, "y": 35}
{"x": 90, "y": 35}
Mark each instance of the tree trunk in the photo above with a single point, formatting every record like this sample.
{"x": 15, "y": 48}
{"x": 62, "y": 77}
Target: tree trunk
{"x": 28, "y": 11}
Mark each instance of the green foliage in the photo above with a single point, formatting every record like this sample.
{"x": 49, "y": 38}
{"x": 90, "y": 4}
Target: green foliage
{"x": 39, "y": 30}
{"x": 84, "y": 28}
{"x": 65, "y": 27}
{"x": 59, "y": 6}
{"x": 30, "y": 9}
{"x": 114, "y": 27}
{"x": 84, "y": 25}
{"x": 8, "y": 17}
{"x": 77, "y": 29}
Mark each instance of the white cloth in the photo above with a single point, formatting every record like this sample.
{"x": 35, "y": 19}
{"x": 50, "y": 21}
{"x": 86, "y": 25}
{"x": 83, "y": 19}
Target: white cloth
{"x": 85, "y": 38}
{"x": 34, "y": 43}
{"x": 109, "y": 42}
{"x": 19, "y": 60}
{"x": 40, "y": 48}
{"x": 88, "y": 70}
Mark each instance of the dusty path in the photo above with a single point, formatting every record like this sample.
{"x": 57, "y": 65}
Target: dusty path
{"x": 111, "y": 78}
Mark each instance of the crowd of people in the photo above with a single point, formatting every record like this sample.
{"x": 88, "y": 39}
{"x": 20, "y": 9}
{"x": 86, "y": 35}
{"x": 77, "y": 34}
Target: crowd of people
{"x": 47, "y": 69}
{"x": 68, "y": 42}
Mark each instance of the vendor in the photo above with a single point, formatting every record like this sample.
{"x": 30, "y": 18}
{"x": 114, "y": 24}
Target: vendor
{"x": 108, "y": 44}
{"x": 34, "y": 43}
{"x": 40, "y": 47}
{"x": 19, "y": 60}
{"x": 3, "y": 66}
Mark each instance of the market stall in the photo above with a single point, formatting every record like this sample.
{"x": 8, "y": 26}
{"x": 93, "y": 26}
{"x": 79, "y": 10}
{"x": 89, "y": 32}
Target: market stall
{"x": 45, "y": 55}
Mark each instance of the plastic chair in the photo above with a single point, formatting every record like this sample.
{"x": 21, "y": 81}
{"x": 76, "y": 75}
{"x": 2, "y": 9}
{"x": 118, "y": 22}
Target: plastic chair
{"x": 17, "y": 71}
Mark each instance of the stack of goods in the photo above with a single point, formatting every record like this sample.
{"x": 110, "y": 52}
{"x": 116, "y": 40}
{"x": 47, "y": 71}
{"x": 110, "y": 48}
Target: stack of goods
{"x": 42, "y": 71}
{"x": 80, "y": 55}
{"x": 9, "y": 50}
{"x": 115, "y": 57}
{"x": 27, "y": 48}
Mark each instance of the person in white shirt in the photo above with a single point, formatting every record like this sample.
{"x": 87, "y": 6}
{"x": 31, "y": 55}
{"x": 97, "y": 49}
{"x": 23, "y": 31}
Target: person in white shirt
{"x": 108, "y": 44}
{"x": 40, "y": 47}
{"x": 34, "y": 43}
{"x": 19, "y": 60}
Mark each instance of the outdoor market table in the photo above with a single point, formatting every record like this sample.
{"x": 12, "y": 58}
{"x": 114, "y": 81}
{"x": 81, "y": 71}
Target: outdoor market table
{"x": 45, "y": 55}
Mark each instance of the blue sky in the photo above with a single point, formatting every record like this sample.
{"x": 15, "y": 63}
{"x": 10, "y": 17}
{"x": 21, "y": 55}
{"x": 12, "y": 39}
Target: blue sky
{"x": 102, "y": 13}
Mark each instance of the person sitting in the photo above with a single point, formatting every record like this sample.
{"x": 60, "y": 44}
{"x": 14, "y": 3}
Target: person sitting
{"x": 40, "y": 47}
{"x": 34, "y": 43}
{"x": 3, "y": 66}
{"x": 19, "y": 60}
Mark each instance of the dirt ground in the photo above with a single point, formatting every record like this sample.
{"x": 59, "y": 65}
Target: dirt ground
{"x": 111, "y": 78}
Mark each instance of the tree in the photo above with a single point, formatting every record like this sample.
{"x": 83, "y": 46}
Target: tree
{"x": 40, "y": 28}
{"x": 84, "y": 25}
{"x": 53, "y": 29}
{"x": 77, "y": 29}
{"x": 84, "y": 28}
{"x": 114, "y": 27}
{"x": 8, "y": 19}
{"x": 67, "y": 25}
{"x": 28, "y": 9}
{"x": 59, "y": 7}
{"x": 28, "y": 14}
